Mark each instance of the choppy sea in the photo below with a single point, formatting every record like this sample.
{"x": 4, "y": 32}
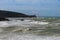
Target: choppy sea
{"x": 15, "y": 30}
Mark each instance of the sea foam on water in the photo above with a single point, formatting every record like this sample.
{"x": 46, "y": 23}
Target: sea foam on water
{"x": 16, "y": 36}
{"x": 20, "y": 23}
{"x": 13, "y": 36}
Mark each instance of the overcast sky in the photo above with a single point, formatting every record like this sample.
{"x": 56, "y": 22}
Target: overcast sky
{"x": 38, "y": 7}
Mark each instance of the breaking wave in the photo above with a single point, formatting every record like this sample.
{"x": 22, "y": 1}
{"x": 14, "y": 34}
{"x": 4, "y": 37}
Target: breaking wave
{"x": 22, "y": 30}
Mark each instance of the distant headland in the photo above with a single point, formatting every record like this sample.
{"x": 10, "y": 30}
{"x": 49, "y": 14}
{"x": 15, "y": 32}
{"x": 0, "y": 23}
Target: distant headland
{"x": 4, "y": 13}
{"x": 10, "y": 14}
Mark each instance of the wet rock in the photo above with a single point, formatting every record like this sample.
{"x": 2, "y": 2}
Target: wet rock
{"x": 3, "y": 19}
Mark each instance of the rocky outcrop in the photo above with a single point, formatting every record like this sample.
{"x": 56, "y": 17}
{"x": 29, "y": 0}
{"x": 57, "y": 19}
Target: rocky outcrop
{"x": 13, "y": 14}
{"x": 10, "y": 14}
{"x": 3, "y": 19}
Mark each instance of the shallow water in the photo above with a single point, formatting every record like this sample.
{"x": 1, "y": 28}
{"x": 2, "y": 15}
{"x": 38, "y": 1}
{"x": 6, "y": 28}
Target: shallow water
{"x": 16, "y": 30}
{"x": 13, "y": 36}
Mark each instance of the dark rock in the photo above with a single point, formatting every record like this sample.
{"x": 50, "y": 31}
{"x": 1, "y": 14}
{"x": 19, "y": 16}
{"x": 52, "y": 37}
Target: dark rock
{"x": 3, "y": 19}
{"x": 22, "y": 19}
{"x": 13, "y": 14}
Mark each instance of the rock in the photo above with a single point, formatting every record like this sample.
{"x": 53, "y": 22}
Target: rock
{"x": 3, "y": 19}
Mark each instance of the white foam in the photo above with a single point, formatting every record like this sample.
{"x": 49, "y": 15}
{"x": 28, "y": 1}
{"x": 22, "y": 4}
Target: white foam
{"x": 3, "y": 24}
{"x": 27, "y": 23}
{"x": 28, "y": 37}
{"x": 41, "y": 23}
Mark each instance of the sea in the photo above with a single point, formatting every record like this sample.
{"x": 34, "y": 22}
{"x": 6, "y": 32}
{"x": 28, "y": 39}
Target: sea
{"x": 17, "y": 30}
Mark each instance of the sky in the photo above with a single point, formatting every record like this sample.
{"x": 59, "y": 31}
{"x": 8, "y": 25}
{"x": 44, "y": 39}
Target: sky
{"x": 32, "y": 7}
